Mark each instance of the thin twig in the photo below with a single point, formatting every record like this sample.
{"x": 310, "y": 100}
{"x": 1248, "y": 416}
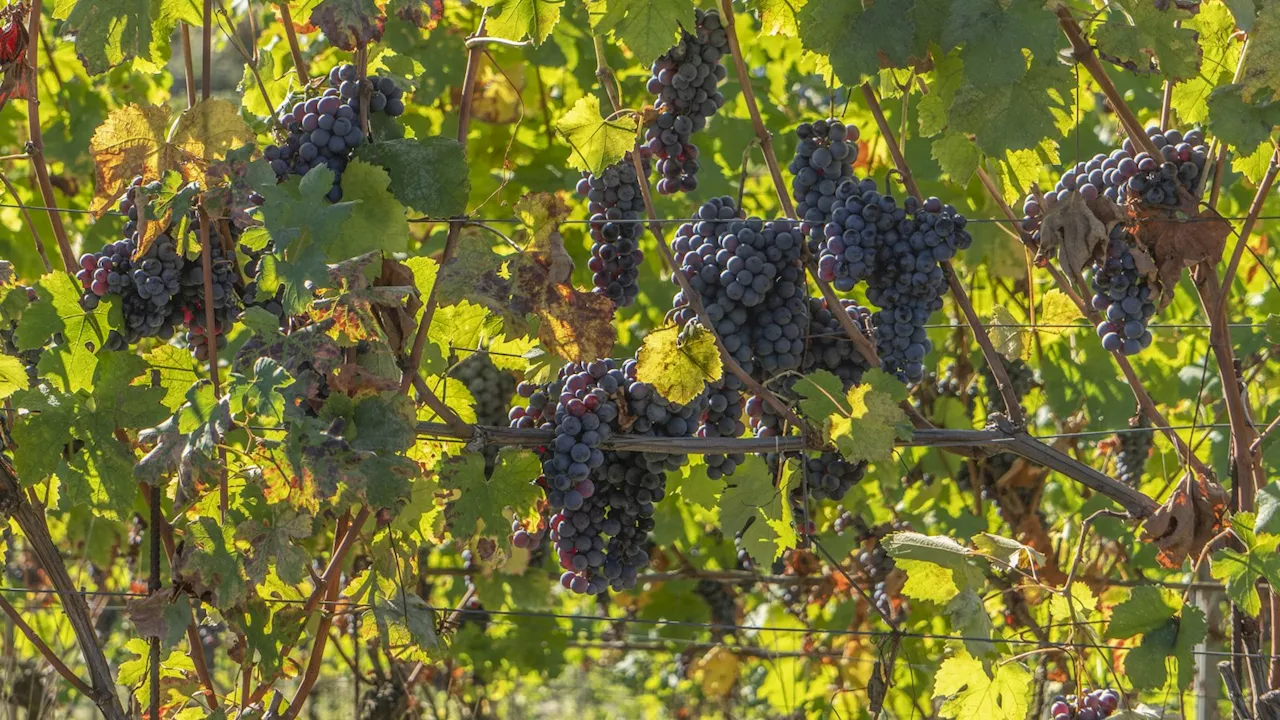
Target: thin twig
{"x": 35, "y": 144}
{"x": 43, "y": 648}
{"x": 35, "y": 234}
{"x": 299, "y": 62}
{"x": 32, "y": 523}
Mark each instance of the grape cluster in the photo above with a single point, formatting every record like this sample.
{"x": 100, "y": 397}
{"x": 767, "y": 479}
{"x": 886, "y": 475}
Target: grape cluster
{"x": 324, "y": 130}
{"x": 721, "y": 604}
{"x": 1021, "y": 376}
{"x": 899, "y": 252}
{"x": 1090, "y": 705}
{"x": 684, "y": 79}
{"x": 1123, "y": 295}
{"x": 1129, "y": 175}
{"x": 876, "y": 569}
{"x": 751, "y": 282}
{"x": 386, "y": 700}
{"x": 824, "y": 159}
{"x": 1135, "y": 448}
{"x": 616, "y": 207}
{"x": 829, "y": 476}
{"x": 830, "y": 348}
{"x": 161, "y": 289}
{"x": 595, "y": 493}
{"x": 723, "y": 419}
{"x": 491, "y": 386}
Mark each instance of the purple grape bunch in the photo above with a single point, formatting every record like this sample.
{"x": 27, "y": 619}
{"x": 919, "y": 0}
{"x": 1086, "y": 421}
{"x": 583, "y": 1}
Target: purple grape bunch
{"x": 325, "y": 130}
{"x": 616, "y": 207}
{"x": 1089, "y": 705}
{"x": 1124, "y": 296}
{"x": 684, "y": 80}
{"x": 825, "y": 155}
{"x": 1130, "y": 175}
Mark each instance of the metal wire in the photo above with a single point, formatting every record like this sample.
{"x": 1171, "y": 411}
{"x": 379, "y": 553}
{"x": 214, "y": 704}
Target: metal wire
{"x": 661, "y": 221}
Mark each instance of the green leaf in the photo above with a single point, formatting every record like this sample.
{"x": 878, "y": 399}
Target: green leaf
{"x": 778, "y": 17}
{"x": 1147, "y": 608}
{"x": 57, "y": 310}
{"x": 1008, "y": 550}
{"x": 927, "y": 581}
{"x": 43, "y": 433}
{"x": 874, "y": 420}
{"x": 520, "y": 19}
{"x": 1268, "y": 519}
{"x": 306, "y": 229}
{"x": 937, "y": 550}
{"x": 405, "y": 622}
{"x": 596, "y": 143}
{"x": 349, "y": 24}
{"x": 647, "y": 27}
{"x": 1016, "y": 115}
{"x": 429, "y": 174}
{"x": 110, "y": 34}
{"x": 1241, "y": 571}
{"x": 1136, "y": 32}
{"x": 856, "y": 39}
{"x": 378, "y": 221}
{"x": 694, "y": 486}
{"x": 273, "y": 545}
{"x": 1146, "y": 665}
{"x": 177, "y": 371}
{"x": 970, "y": 693}
{"x": 751, "y": 505}
{"x": 1272, "y": 327}
{"x": 1261, "y": 74}
{"x": 957, "y": 155}
{"x": 822, "y": 398}
{"x": 1244, "y": 11}
{"x": 212, "y": 562}
{"x": 13, "y": 376}
{"x": 1238, "y": 123}
{"x": 992, "y": 35}
{"x": 483, "y": 500}
{"x": 679, "y": 363}
{"x": 1221, "y": 50}
{"x": 384, "y": 423}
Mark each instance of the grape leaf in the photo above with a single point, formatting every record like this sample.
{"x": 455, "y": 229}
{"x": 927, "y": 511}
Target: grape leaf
{"x": 58, "y": 310}
{"x": 428, "y": 174}
{"x": 349, "y": 24}
{"x": 1244, "y": 11}
{"x": 874, "y": 420}
{"x": 483, "y": 499}
{"x": 110, "y": 34}
{"x": 695, "y": 486}
{"x": 305, "y": 228}
{"x": 751, "y": 505}
{"x": 404, "y": 624}
{"x": 1015, "y": 115}
{"x": 1241, "y": 124}
{"x": 1147, "y": 608}
{"x": 938, "y": 550}
{"x": 1147, "y": 664}
{"x": 378, "y": 221}
{"x": 970, "y": 693}
{"x": 948, "y": 76}
{"x": 163, "y": 615}
{"x": 778, "y": 17}
{"x": 520, "y": 19}
{"x": 272, "y": 544}
{"x": 41, "y": 436}
{"x": 1268, "y": 517}
{"x": 540, "y": 215}
{"x": 679, "y": 363}
{"x": 145, "y": 140}
{"x": 927, "y": 581}
{"x": 822, "y": 398}
{"x": 596, "y": 143}
{"x": 647, "y": 27}
{"x": 118, "y": 400}
{"x": 992, "y": 36}
{"x": 856, "y": 39}
{"x": 1216, "y": 30}
{"x": 176, "y": 667}
{"x": 1239, "y": 571}
{"x": 1136, "y": 32}
{"x": 176, "y": 371}
{"x": 13, "y": 376}
{"x": 1262, "y": 66}
{"x": 957, "y": 156}
{"x": 384, "y": 423}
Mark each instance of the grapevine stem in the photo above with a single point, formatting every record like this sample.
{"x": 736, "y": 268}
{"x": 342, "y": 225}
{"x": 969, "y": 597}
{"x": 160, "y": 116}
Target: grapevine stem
{"x": 1255, "y": 209}
{"x": 32, "y": 523}
{"x": 450, "y": 249}
{"x": 321, "y": 637}
{"x": 299, "y": 62}
{"x": 206, "y": 51}
{"x": 45, "y": 651}
{"x": 35, "y": 143}
{"x": 1085, "y": 55}
{"x": 35, "y": 234}
{"x": 1012, "y": 406}
{"x": 188, "y": 65}
{"x": 1003, "y": 437}
{"x": 193, "y": 632}
{"x": 331, "y": 572}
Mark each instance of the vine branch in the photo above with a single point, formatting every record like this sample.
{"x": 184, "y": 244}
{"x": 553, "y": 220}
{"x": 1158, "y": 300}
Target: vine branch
{"x": 35, "y": 142}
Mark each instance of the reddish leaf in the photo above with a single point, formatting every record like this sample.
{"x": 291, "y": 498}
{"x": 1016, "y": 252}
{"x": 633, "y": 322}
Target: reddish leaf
{"x": 575, "y": 325}
{"x": 1175, "y": 244}
{"x": 349, "y": 23}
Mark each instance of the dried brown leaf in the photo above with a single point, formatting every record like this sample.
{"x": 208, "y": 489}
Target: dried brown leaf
{"x": 1175, "y": 244}
{"x": 1190, "y": 518}
{"x": 1074, "y": 229}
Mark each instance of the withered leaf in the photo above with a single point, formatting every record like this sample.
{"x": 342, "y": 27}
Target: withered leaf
{"x": 1190, "y": 518}
{"x": 1074, "y": 229}
{"x": 575, "y": 325}
{"x": 1182, "y": 243}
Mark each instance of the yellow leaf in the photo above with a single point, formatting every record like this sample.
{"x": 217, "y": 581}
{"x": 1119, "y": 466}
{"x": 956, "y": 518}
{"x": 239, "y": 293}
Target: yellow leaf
{"x": 1009, "y": 341}
{"x": 596, "y": 143}
{"x": 679, "y": 363}
{"x": 145, "y": 140}
{"x": 717, "y": 672}
{"x": 1057, "y": 309}
{"x": 971, "y": 693}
